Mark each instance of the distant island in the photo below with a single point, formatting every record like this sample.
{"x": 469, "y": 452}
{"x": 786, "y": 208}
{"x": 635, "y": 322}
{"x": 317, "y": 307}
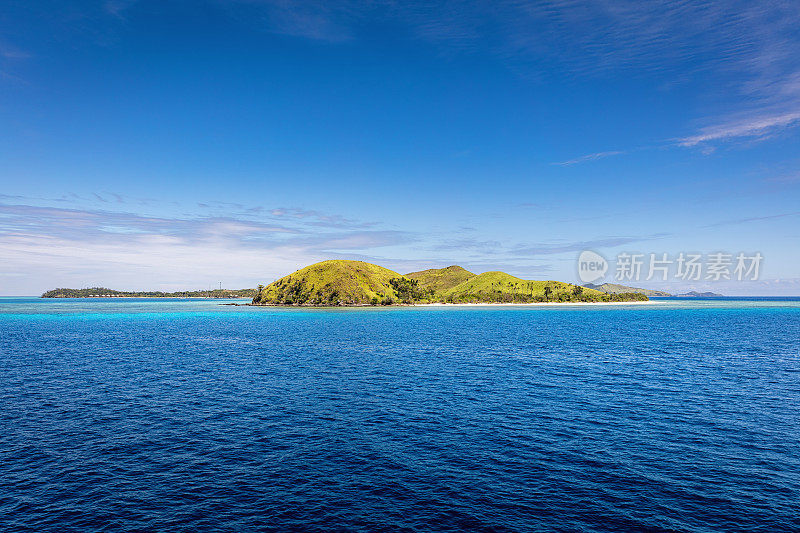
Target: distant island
{"x": 613, "y": 288}
{"x": 102, "y": 292}
{"x": 357, "y": 283}
{"x": 695, "y": 294}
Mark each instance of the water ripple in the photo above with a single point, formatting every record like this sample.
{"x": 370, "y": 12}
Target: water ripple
{"x": 668, "y": 419}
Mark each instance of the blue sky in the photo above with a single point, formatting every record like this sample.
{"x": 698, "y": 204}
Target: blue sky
{"x": 173, "y": 145}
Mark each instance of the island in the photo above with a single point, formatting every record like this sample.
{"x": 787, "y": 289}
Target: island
{"x": 695, "y": 294}
{"x": 358, "y": 283}
{"x": 614, "y": 288}
{"x": 102, "y": 292}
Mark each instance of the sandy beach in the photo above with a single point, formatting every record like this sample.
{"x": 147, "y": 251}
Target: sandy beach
{"x": 531, "y": 304}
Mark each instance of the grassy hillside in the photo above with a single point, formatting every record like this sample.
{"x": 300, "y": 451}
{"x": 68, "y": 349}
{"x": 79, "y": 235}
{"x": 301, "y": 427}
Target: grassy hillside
{"x": 335, "y": 282}
{"x": 441, "y": 279}
{"x": 614, "y": 288}
{"x": 502, "y": 287}
{"x": 340, "y": 282}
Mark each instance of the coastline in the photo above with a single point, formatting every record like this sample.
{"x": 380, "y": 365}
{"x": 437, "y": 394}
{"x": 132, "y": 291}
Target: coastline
{"x": 529, "y": 304}
{"x": 448, "y": 305}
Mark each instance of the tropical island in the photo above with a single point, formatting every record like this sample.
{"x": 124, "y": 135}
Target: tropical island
{"x": 615, "y": 288}
{"x": 102, "y": 292}
{"x": 357, "y": 283}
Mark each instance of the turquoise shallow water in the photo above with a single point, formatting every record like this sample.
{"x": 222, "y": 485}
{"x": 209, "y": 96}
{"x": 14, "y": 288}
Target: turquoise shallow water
{"x": 165, "y": 415}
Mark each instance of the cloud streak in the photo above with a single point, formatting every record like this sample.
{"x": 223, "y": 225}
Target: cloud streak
{"x": 752, "y": 219}
{"x": 752, "y": 127}
{"x": 579, "y": 246}
{"x": 84, "y": 246}
{"x": 750, "y": 47}
{"x": 579, "y": 37}
{"x": 589, "y": 157}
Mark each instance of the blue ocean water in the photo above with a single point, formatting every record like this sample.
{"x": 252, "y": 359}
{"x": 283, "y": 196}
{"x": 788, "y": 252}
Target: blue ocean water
{"x": 185, "y": 415}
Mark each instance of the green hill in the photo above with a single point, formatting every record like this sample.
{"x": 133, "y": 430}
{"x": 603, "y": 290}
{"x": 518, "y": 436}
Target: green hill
{"x": 334, "y": 282}
{"x": 502, "y": 287}
{"x": 441, "y": 279}
{"x": 340, "y": 282}
{"x": 614, "y": 288}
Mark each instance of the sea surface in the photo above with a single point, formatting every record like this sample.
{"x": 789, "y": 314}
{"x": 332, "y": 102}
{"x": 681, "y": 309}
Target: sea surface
{"x": 188, "y": 415}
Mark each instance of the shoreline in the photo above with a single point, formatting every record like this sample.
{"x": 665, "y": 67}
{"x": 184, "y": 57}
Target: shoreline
{"x": 529, "y": 304}
{"x": 481, "y": 304}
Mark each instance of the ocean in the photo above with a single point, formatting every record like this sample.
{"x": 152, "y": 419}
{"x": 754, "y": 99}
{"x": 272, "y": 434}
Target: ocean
{"x": 188, "y": 415}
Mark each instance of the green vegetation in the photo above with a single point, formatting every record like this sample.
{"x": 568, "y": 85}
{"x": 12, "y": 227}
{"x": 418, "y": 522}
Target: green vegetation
{"x": 102, "y": 292}
{"x": 335, "y": 282}
{"x": 500, "y": 287}
{"x": 340, "y": 282}
{"x": 409, "y": 291}
{"x": 441, "y": 279}
{"x": 613, "y": 288}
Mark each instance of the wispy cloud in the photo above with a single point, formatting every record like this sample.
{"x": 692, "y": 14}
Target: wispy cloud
{"x": 470, "y": 244}
{"x": 12, "y": 53}
{"x": 750, "y": 47}
{"x": 752, "y": 219}
{"x": 484, "y": 254}
{"x": 9, "y": 55}
{"x": 89, "y": 224}
{"x": 118, "y": 8}
{"x": 84, "y": 246}
{"x": 785, "y": 179}
{"x": 96, "y": 225}
{"x": 768, "y": 80}
{"x": 317, "y": 218}
{"x": 310, "y": 19}
{"x": 589, "y": 157}
{"x": 751, "y": 127}
{"x": 578, "y": 246}
{"x": 562, "y": 35}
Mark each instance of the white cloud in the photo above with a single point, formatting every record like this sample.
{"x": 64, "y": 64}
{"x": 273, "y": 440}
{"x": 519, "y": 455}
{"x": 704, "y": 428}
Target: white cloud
{"x": 752, "y": 127}
{"x": 589, "y": 157}
{"x": 72, "y": 247}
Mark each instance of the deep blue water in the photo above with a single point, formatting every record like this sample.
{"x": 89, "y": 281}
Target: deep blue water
{"x": 143, "y": 415}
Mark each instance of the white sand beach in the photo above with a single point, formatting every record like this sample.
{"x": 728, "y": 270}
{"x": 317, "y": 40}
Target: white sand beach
{"x": 533, "y": 304}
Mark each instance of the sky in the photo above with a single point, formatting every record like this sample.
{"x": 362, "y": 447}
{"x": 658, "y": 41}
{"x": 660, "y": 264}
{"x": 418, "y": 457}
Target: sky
{"x": 149, "y": 145}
